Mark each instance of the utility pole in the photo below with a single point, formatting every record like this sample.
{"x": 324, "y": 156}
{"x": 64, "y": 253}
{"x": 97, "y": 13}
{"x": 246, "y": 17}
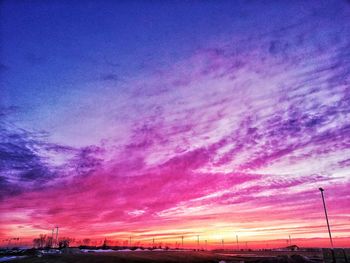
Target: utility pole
{"x": 325, "y": 212}
{"x": 57, "y": 235}
{"x": 290, "y": 240}
{"x": 129, "y": 241}
{"x": 223, "y": 244}
{"x": 182, "y": 241}
{"x": 153, "y": 242}
{"x": 206, "y": 244}
{"x": 198, "y": 241}
{"x": 237, "y": 242}
{"x": 52, "y": 241}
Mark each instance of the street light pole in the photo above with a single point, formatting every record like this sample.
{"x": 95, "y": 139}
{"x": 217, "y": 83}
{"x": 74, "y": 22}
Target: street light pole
{"x": 325, "y": 212}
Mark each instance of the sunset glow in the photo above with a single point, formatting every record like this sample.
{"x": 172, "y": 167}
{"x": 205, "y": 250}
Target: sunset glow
{"x": 166, "y": 119}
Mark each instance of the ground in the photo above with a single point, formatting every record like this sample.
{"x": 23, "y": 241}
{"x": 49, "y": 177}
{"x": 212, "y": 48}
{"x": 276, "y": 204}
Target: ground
{"x": 153, "y": 256}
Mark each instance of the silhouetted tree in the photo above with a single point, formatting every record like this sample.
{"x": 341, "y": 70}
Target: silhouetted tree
{"x": 36, "y": 242}
{"x": 41, "y": 241}
{"x": 104, "y": 243}
{"x": 86, "y": 241}
{"x": 49, "y": 242}
{"x": 64, "y": 242}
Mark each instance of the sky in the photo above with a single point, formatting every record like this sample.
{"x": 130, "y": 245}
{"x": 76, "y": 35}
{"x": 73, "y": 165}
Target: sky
{"x": 163, "y": 119}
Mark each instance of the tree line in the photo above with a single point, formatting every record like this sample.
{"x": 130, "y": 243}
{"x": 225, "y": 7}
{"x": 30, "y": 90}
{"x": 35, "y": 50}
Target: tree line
{"x": 44, "y": 241}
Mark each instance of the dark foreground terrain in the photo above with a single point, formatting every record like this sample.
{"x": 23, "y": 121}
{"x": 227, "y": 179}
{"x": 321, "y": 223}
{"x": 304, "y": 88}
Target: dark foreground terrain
{"x": 166, "y": 256}
{"x": 147, "y": 256}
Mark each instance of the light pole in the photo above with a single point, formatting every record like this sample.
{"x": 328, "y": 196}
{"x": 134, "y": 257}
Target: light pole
{"x": 325, "y": 212}
{"x": 57, "y": 236}
{"x": 52, "y": 240}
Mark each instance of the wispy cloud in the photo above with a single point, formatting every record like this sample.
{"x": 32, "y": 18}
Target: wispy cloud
{"x": 237, "y": 137}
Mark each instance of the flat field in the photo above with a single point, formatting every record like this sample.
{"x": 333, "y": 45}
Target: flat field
{"x": 146, "y": 256}
{"x": 161, "y": 256}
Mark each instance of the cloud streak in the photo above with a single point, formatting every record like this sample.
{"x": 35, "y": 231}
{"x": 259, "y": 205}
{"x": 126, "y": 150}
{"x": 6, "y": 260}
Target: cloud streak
{"x": 234, "y": 138}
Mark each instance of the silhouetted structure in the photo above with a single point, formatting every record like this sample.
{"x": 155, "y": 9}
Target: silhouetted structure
{"x": 325, "y": 212}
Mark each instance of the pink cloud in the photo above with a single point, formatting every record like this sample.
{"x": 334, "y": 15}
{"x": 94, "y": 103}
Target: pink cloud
{"x": 221, "y": 142}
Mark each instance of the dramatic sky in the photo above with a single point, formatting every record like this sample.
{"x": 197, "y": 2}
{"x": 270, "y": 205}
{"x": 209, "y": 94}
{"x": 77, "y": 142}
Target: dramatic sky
{"x": 175, "y": 118}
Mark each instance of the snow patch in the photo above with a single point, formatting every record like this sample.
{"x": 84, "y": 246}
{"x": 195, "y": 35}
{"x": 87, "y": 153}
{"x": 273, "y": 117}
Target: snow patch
{"x": 8, "y": 258}
{"x": 98, "y": 250}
